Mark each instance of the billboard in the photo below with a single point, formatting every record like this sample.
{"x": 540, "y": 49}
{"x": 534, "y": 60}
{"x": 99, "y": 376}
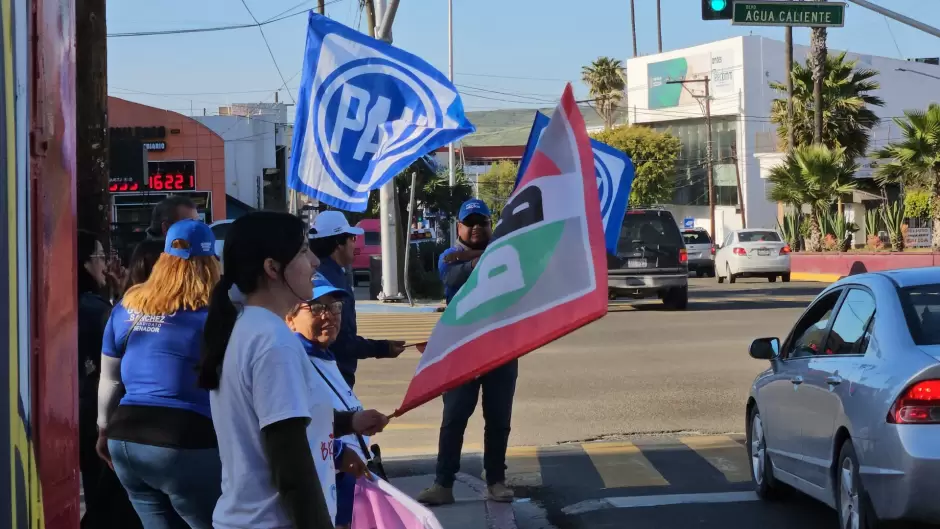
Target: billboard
{"x": 718, "y": 66}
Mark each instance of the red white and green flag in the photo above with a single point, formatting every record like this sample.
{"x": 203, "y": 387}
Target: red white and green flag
{"x": 543, "y": 275}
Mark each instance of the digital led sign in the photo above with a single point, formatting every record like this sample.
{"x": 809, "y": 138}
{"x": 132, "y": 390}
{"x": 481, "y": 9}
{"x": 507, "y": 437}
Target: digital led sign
{"x": 162, "y": 176}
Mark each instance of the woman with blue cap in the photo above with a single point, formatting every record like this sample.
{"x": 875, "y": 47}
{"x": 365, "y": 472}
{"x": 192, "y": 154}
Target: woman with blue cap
{"x": 317, "y": 323}
{"x": 155, "y": 427}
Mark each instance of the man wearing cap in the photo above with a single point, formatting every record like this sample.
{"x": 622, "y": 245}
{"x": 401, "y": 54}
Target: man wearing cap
{"x": 333, "y": 240}
{"x": 499, "y": 386}
{"x": 169, "y": 211}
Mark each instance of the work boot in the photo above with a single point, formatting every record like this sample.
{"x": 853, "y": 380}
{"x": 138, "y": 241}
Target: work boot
{"x": 499, "y": 492}
{"x": 436, "y": 495}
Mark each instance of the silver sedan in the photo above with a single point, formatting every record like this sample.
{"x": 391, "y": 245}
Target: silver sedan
{"x": 849, "y": 410}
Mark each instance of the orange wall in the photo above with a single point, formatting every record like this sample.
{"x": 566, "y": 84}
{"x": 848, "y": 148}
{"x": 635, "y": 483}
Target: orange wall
{"x": 194, "y": 142}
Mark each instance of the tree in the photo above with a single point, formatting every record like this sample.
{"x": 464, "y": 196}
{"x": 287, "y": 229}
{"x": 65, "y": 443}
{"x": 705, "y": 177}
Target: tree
{"x": 915, "y": 160}
{"x": 495, "y": 186}
{"x": 818, "y": 54}
{"x": 847, "y": 100}
{"x": 605, "y": 80}
{"x": 654, "y": 156}
{"x": 816, "y": 176}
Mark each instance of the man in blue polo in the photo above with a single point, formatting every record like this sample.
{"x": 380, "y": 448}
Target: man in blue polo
{"x": 499, "y": 386}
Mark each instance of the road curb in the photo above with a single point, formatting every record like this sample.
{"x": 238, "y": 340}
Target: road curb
{"x": 814, "y": 277}
{"x": 498, "y": 515}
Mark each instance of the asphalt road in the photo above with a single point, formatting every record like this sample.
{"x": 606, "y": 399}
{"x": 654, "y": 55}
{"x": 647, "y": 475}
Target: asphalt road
{"x": 639, "y": 370}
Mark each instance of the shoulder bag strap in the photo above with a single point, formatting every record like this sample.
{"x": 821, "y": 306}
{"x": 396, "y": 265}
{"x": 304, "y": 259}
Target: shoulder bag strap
{"x": 123, "y": 347}
{"x": 362, "y": 442}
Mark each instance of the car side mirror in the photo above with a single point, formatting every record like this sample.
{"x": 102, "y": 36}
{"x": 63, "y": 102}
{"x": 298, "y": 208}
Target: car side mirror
{"x": 765, "y": 348}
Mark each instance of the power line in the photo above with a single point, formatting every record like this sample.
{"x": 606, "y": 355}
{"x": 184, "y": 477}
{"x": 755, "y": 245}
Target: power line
{"x": 270, "y": 52}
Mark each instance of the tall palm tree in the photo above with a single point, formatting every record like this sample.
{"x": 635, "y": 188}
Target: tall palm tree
{"x": 848, "y": 118}
{"x": 816, "y": 176}
{"x": 633, "y": 24}
{"x": 915, "y": 160}
{"x": 606, "y": 84}
{"x": 818, "y": 54}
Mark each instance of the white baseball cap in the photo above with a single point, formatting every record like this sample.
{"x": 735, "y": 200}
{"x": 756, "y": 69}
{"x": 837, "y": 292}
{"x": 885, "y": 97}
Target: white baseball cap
{"x": 331, "y": 223}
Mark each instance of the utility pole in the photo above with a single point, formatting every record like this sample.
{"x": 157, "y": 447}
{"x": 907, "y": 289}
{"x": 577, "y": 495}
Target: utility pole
{"x": 791, "y": 134}
{"x": 321, "y": 7}
{"x": 737, "y": 177}
{"x": 659, "y": 24}
{"x": 452, "y": 175}
{"x": 633, "y": 24}
{"x": 389, "y": 214}
{"x": 708, "y": 146}
{"x": 91, "y": 107}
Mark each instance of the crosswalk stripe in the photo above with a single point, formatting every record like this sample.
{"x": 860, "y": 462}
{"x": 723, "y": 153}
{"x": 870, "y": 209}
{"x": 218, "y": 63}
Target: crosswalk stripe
{"x": 723, "y": 453}
{"x": 623, "y": 465}
{"x": 522, "y": 466}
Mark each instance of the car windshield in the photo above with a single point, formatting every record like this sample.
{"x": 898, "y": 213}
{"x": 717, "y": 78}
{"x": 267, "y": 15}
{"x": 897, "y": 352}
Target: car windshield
{"x": 696, "y": 237}
{"x": 372, "y": 238}
{"x": 758, "y": 236}
{"x": 922, "y": 311}
{"x": 649, "y": 228}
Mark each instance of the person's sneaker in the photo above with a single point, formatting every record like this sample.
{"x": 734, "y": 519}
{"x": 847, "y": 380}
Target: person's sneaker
{"x": 499, "y": 492}
{"x": 436, "y": 495}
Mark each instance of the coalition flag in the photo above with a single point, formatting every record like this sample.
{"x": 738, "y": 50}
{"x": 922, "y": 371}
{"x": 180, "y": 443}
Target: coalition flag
{"x": 543, "y": 275}
{"x": 365, "y": 112}
{"x": 614, "y": 171}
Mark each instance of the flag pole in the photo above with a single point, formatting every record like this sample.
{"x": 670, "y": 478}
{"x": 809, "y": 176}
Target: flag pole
{"x": 450, "y": 148}
{"x": 388, "y": 203}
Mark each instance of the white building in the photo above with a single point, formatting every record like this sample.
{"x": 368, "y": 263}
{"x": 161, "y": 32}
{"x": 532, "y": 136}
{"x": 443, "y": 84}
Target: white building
{"x": 257, "y": 140}
{"x": 740, "y": 70}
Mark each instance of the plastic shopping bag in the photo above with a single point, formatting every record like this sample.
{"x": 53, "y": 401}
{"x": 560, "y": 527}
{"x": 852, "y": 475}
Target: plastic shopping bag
{"x": 378, "y": 505}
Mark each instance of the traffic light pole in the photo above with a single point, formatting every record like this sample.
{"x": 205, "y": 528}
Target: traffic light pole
{"x": 708, "y": 146}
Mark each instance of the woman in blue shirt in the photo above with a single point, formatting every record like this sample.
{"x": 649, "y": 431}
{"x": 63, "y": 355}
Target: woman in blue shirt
{"x": 159, "y": 437}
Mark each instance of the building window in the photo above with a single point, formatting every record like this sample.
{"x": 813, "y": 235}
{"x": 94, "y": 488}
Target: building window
{"x": 691, "y": 175}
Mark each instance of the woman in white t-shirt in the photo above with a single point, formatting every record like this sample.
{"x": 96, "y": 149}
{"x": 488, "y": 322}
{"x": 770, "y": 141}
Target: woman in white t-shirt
{"x": 317, "y": 324}
{"x": 273, "y": 414}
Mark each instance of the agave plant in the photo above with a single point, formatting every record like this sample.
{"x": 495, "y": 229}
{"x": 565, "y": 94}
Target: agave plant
{"x": 893, "y": 216}
{"x": 841, "y": 230}
{"x": 791, "y": 229}
{"x": 872, "y": 227}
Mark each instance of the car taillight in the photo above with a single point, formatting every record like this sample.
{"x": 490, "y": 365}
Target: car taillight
{"x": 740, "y": 251}
{"x": 785, "y": 250}
{"x": 683, "y": 256}
{"x": 713, "y": 249}
{"x": 919, "y": 404}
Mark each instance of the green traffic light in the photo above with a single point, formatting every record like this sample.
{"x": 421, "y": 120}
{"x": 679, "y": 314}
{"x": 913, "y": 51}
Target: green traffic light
{"x": 718, "y": 5}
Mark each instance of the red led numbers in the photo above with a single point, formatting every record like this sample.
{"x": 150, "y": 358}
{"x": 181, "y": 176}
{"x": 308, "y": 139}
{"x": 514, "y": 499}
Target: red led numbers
{"x": 172, "y": 182}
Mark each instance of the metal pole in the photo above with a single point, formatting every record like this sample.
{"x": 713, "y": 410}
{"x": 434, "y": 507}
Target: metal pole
{"x": 388, "y": 198}
{"x": 411, "y": 216}
{"x": 451, "y": 170}
{"x": 659, "y": 24}
{"x": 633, "y": 24}
{"x": 708, "y": 155}
{"x": 899, "y": 17}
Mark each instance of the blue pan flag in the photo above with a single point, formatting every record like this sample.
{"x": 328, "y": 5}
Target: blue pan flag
{"x": 614, "y": 171}
{"x": 365, "y": 111}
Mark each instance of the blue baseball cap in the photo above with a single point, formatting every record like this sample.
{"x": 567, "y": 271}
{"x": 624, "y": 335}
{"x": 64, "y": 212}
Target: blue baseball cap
{"x": 474, "y": 206}
{"x": 322, "y": 287}
{"x": 196, "y": 233}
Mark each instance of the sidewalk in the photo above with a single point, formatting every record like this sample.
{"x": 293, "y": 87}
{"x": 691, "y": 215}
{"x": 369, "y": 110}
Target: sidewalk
{"x": 471, "y": 511}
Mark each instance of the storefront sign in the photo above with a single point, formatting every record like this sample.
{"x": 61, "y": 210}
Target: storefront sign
{"x": 143, "y": 133}
{"x": 718, "y": 66}
{"x": 172, "y": 176}
{"x": 802, "y": 14}
{"x": 918, "y": 238}
{"x": 155, "y": 146}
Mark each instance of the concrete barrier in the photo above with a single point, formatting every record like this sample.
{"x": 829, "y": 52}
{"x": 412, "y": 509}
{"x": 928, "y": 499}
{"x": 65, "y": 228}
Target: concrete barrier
{"x": 829, "y": 267}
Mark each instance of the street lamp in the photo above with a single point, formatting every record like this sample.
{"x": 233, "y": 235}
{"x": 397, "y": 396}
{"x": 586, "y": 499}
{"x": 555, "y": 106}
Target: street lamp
{"x": 918, "y": 73}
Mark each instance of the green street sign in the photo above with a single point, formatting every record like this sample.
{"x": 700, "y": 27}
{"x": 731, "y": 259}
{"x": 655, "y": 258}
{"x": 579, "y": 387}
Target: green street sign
{"x": 805, "y": 14}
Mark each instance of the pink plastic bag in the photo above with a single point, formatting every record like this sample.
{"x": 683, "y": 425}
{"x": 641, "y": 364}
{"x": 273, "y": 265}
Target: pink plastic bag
{"x": 378, "y": 505}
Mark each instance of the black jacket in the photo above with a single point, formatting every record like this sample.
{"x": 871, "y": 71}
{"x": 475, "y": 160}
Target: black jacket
{"x": 93, "y": 313}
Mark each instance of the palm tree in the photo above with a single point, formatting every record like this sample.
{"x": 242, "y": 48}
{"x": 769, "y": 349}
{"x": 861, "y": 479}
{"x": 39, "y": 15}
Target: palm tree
{"x": 847, "y": 100}
{"x": 818, "y": 54}
{"x": 606, "y": 84}
{"x": 915, "y": 160}
{"x": 816, "y": 176}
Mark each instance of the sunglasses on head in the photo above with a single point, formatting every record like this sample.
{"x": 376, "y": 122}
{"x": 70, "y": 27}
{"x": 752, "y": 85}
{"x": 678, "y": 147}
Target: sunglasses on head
{"x": 335, "y": 308}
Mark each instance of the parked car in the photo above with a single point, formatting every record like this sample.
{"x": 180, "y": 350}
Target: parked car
{"x": 366, "y": 246}
{"x": 752, "y": 253}
{"x": 849, "y": 410}
{"x": 220, "y": 229}
{"x": 701, "y": 251}
{"x": 651, "y": 259}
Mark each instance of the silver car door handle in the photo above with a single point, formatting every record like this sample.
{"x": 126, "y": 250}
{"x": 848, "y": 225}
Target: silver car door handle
{"x": 796, "y": 381}
{"x": 834, "y": 380}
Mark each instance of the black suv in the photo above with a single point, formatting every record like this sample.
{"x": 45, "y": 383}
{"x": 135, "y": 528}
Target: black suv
{"x": 651, "y": 259}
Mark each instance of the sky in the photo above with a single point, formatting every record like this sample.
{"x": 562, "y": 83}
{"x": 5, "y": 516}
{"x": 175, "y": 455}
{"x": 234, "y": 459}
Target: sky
{"x": 507, "y": 53}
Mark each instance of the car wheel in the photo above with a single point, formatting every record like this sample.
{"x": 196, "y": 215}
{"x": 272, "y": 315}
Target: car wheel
{"x": 762, "y": 473}
{"x": 699, "y": 273}
{"x": 772, "y": 279}
{"x": 677, "y": 298}
{"x": 786, "y": 277}
{"x": 855, "y": 510}
{"x": 731, "y": 277}
{"x": 711, "y": 272}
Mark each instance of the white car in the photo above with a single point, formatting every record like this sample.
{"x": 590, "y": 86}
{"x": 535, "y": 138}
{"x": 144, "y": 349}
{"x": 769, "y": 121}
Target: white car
{"x": 752, "y": 253}
{"x": 219, "y": 229}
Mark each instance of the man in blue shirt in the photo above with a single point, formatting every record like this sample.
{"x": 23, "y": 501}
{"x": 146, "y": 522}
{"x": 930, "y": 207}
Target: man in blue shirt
{"x": 333, "y": 240}
{"x": 499, "y": 386}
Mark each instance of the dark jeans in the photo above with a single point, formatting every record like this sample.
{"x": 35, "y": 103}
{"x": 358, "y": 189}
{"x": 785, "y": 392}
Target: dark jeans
{"x": 499, "y": 386}
{"x": 171, "y": 488}
{"x": 106, "y": 502}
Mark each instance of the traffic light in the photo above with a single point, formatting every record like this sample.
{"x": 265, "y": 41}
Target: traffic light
{"x": 717, "y": 9}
